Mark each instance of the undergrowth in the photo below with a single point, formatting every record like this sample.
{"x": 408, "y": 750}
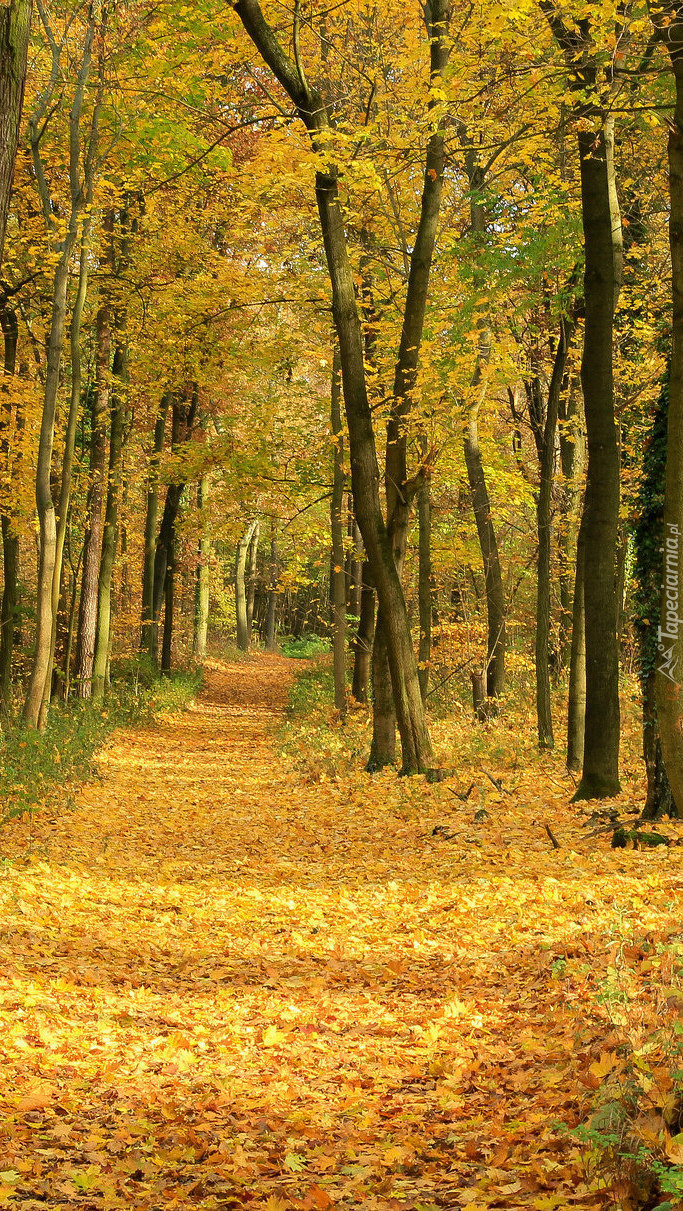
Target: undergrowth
{"x": 38, "y": 767}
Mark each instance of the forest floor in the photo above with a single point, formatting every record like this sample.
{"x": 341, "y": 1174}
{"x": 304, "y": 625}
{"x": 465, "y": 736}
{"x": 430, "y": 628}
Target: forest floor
{"x": 225, "y": 984}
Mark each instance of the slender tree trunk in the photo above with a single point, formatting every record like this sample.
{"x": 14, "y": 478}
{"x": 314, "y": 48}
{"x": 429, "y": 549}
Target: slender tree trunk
{"x": 363, "y": 641}
{"x": 183, "y": 420}
{"x": 241, "y": 587}
{"x": 250, "y": 579}
{"x": 148, "y": 638}
{"x": 576, "y": 715}
{"x": 110, "y": 530}
{"x": 271, "y": 615}
{"x": 15, "y": 24}
{"x": 10, "y": 540}
{"x": 201, "y": 617}
{"x": 415, "y": 743}
{"x": 80, "y": 193}
{"x": 169, "y": 602}
{"x": 425, "y": 583}
{"x": 488, "y": 544}
{"x": 68, "y": 455}
{"x": 572, "y": 452}
{"x": 543, "y": 516}
{"x": 92, "y": 550}
{"x": 337, "y": 577}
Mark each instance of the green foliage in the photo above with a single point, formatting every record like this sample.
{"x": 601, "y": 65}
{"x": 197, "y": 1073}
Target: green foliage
{"x": 43, "y": 766}
{"x": 306, "y": 647}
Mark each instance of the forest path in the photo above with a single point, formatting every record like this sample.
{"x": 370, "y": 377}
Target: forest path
{"x": 225, "y": 986}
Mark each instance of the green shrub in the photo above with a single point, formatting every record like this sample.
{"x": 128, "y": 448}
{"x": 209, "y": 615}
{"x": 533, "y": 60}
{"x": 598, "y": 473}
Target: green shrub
{"x": 306, "y": 647}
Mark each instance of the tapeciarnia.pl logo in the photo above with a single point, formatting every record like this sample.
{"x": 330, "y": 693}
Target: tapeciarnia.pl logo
{"x": 667, "y": 635}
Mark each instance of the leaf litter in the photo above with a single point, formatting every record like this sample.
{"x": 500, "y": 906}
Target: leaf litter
{"x": 224, "y": 985}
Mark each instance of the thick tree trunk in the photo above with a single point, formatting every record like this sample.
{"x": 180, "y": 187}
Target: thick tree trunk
{"x": 110, "y": 530}
{"x": 669, "y": 674}
{"x": 576, "y": 714}
{"x": 363, "y": 640}
{"x": 15, "y": 24}
{"x": 599, "y": 525}
{"x": 202, "y": 587}
{"x": 148, "y": 639}
{"x": 92, "y": 550}
{"x": 337, "y": 575}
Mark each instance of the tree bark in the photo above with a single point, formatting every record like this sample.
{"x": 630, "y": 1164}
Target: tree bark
{"x": 572, "y": 453}
{"x": 183, "y": 420}
{"x": 148, "y": 640}
{"x": 311, "y": 109}
{"x": 669, "y": 673}
{"x": 202, "y": 588}
{"x": 488, "y": 545}
{"x": 363, "y": 641}
{"x": 241, "y": 618}
{"x": 576, "y": 713}
{"x": 250, "y": 579}
{"x": 79, "y": 193}
{"x": 111, "y": 512}
{"x": 271, "y": 614}
{"x": 599, "y": 523}
{"x": 543, "y": 515}
{"x": 92, "y": 549}
{"x": 425, "y": 583}
{"x": 15, "y": 25}
{"x": 10, "y": 540}
{"x": 338, "y": 577}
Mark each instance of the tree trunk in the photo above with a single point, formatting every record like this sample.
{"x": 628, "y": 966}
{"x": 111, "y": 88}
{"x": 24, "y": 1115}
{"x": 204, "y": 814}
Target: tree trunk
{"x": 92, "y": 549}
{"x": 572, "y": 453}
{"x": 271, "y": 615}
{"x": 80, "y": 191}
{"x": 201, "y": 615}
{"x": 425, "y": 583}
{"x": 599, "y": 522}
{"x": 169, "y": 601}
{"x": 241, "y": 587}
{"x": 488, "y": 545}
{"x": 337, "y": 577}
{"x": 363, "y": 641}
{"x": 10, "y": 540}
{"x": 15, "y": 24}
{"x": 110, "y": 531}
{"x": 183, "y": 420}
{"x": 250, "y": 579}
{"x": 543, "y": 516}
{"x": 148, "y": 640}
{"x": 576, "y": 714}
{"x": 415, "y": 743}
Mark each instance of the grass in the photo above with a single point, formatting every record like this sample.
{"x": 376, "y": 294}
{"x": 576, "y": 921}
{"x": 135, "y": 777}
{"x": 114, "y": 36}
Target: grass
{"x": 36, "y": 767}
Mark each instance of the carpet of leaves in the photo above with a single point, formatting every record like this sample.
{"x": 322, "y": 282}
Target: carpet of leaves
{"x": 225, "y": 984}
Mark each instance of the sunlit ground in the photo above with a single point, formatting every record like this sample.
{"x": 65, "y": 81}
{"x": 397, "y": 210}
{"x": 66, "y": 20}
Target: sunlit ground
{"x": 225, "y": 984}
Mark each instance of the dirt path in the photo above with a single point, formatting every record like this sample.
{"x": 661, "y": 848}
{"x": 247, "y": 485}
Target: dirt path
{"x": 222, "y": 987}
